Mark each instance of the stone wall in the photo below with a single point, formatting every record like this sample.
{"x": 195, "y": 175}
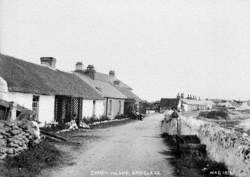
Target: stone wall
{"x": 223, "y": 145}
{"x": 227, "y": 146}
{"x": 15, "y": 137}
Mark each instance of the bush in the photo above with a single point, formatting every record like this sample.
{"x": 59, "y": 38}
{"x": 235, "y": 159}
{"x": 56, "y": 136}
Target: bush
{"x": 29, "y": 163}
{"x": 104, "y": 118}
{"x": 120, "y": 116}
{"x": 90, "y": 120}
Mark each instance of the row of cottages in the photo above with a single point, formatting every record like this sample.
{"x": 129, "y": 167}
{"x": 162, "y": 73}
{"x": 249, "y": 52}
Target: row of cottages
{"x": 113, "y": 103}
{"x": 58, "y": 96}
{"x": 53, "y": 94}
{"x": 132, "y": 100}
{"x": 184, "y": 104}
{"x": 119, "y": 97}
{"x": 195, "y": 105}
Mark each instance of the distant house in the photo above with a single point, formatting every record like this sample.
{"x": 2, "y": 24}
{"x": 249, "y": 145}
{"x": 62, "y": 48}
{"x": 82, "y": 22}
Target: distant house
{"x": 114, "y": 100}
{"x": 194, "y": 105}
{"x": 169, "y": 103}
{"x": 53, "y": 94}
{"x": 132, "y": 100}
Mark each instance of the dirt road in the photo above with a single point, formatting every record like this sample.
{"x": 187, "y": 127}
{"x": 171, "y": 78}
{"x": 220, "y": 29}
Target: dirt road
{"x": 133, "y": 149}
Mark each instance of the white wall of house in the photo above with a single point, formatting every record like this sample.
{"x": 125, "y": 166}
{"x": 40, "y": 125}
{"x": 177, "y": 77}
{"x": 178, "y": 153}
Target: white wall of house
{"x": 99, "y": 108}
{"x": 114, "y": 107}
{"x": 87, "y": 108}
{"x": 46, "y": 109}
{"x": 23, "y": 99}
{"x": 46, "y": 105}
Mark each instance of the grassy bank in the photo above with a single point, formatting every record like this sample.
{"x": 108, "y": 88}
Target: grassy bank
{"x": 193, "y": 163}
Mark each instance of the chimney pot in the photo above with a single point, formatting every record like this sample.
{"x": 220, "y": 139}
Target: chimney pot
{"x": 90, "y": 71}
{"x": 116, "y": 82}
{"x": 112, "y": 76}
{"x": 112, "y": 73}
{"x": 48, "y": 61}
{"x": 79, "y": 66}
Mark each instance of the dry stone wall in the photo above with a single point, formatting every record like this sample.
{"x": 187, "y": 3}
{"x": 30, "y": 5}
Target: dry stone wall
{"x": 223, "y": 145}
{"x": 16, "y": 136}
{"x": 227, "y": 146}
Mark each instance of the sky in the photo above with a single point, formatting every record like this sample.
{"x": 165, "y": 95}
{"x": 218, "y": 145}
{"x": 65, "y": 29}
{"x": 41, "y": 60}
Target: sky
{"x": 158, "y": 47}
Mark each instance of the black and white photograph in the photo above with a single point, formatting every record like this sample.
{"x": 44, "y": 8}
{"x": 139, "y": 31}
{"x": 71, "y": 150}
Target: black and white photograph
{"x": 124, "y": 88}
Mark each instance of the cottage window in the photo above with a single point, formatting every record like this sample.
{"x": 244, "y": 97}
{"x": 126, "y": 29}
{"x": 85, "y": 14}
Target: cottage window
{"x": 110, "y": 107}
{"x": 35, "y": 105}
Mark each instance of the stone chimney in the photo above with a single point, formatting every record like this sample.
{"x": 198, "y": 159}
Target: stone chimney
{"x": 112, "y": 76}
{"x": 116, "y": 83}
{"x": 48, "y": 61}
{"x": 79, "y": 66}
{"x": 90, "y": 71}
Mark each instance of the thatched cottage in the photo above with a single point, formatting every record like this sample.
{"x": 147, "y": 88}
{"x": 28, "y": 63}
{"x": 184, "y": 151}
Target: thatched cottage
{"x": 114, "y": 100}
{"x": 53, "y": 94}
{"x": 118, "y": 95}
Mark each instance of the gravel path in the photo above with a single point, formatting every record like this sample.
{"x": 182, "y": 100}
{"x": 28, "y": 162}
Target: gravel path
{"x": 133, "y": 149}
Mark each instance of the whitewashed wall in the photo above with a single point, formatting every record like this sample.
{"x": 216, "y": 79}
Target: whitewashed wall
{"x": 99, "y": 108}
{"x": 46, "y": 105}
{"x": 23, "y": 99}
{"x": 115, "y": 107}
{"x": 87, "y": 108}
{"x": 46, "y": 109}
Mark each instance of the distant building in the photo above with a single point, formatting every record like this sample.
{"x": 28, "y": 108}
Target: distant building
{"x": 194, "y": 105}
{"x": 169, "y": 103}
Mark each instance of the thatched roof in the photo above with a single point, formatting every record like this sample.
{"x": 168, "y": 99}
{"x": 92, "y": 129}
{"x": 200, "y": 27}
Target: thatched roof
{"x": 105, "y": 78}
{"x": 104, "y": 88}
{"x": 27, "y": 77}
{"x": 128, "y": 93}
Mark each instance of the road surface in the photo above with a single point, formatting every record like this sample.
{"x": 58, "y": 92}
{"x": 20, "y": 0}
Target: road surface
{"x": 133, "y": 149}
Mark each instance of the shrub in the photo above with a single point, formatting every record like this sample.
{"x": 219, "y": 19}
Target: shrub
{"x": 29, "y": 163}
{"x": 120, "y": 116}
{"x": 90, "y": 120}
{"x": 103, "y": 118}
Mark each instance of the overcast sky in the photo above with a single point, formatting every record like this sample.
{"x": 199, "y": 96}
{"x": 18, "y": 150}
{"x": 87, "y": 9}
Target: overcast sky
{"x": 158, "y": 47}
